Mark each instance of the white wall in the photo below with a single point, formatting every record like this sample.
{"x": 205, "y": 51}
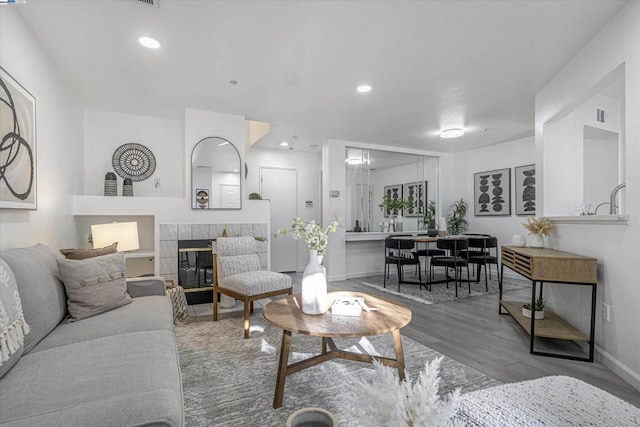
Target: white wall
{"x": 105, "y": 131}
{"x": 308, "y": 167}
{"x": 458, "y": 172}
{"x": 615, "y": 246}
{"x": 58, "y": 136}
{"x": 565, "y": 139}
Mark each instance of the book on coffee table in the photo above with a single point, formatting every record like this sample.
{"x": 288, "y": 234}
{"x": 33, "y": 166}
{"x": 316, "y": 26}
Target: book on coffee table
{"x": 347, "y": 306}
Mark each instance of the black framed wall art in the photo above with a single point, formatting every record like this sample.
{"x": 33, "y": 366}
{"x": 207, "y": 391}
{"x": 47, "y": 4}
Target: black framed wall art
{"x": 416, "y": 193}
{"x": 395, "y": 192}
{"x": 492, "y": 193}
{"x": 525, "y": 184}
{"x": 18, "y": 177}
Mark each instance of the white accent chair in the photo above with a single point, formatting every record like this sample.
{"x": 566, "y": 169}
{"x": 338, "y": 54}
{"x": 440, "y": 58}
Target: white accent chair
{"x": 240, "y": 277}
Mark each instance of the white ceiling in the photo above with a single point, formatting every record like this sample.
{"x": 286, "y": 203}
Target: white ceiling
{"x": 432, "y": 64}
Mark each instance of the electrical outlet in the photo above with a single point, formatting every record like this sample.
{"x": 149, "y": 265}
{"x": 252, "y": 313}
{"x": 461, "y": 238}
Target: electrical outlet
{"x": 606, "y": 312}
{"x": 156, "y": 183}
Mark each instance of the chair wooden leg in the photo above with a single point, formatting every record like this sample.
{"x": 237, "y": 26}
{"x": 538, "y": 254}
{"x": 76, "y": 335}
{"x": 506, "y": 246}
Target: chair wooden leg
{"x": 246, "y": 318}
{"x": 251, "y": 307}
{"x": 215, "y": 305}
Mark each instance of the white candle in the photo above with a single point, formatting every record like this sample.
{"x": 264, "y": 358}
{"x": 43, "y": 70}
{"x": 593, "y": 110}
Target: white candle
{"x": 442, "y": 224}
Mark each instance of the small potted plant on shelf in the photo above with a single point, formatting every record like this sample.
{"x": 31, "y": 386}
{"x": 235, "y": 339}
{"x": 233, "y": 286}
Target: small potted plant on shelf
{"x": 255, "y": 196}
{"x": 538, "y": 308}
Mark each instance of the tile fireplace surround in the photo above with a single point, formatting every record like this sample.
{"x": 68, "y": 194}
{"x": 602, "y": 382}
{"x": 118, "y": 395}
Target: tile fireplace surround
{"x": 171, "y": 233}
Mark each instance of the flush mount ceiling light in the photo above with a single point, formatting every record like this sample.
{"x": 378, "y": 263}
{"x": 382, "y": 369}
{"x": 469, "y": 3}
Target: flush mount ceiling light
{"x": 149, "y": 42}
{"x": 364, "y": 88}
{"x": 284, "y": 144}
{"x": 451, "y": 133}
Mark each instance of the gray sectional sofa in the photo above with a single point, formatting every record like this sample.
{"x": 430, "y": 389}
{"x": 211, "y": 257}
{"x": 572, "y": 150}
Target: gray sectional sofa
{"x": 118, "y": 368}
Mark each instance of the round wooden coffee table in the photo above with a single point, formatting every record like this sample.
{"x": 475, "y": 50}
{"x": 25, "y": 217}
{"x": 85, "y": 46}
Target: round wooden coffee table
{"x": 285, "y": 313}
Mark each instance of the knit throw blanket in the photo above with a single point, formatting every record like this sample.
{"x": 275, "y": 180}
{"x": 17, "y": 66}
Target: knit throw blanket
{"x": 13, "y": 327}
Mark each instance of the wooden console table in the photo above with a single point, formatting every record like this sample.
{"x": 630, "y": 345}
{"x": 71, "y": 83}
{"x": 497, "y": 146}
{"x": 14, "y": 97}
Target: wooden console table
{"x": 542, "y": 265}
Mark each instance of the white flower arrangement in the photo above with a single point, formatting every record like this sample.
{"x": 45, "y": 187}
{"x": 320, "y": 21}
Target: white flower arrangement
{"x": 313, "y": 234}
{"x": 390, "y": 402}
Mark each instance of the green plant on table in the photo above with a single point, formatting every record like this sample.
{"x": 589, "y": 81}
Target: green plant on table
{"x": 456, "y": 222}
{"x": 255, "y": 196}
{"x": 430, "y": 215}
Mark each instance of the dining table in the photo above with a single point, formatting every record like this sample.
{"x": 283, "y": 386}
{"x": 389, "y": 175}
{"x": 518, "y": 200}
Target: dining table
{"x": 423, "y": 238}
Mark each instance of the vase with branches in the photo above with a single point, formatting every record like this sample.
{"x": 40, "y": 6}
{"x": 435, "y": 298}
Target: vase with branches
{"x": 456, "y": 222}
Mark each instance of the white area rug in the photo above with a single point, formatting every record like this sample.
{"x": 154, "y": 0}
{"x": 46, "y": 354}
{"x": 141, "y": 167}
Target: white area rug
{"x": 548, "y": 401}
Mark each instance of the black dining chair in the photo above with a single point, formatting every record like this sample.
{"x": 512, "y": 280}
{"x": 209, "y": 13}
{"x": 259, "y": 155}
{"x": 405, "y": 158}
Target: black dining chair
{"x": 399, "y": 252}
{"x": 483, "y": 257}
{"x": 428, "y": 253}
{"x": 453, "y": 247}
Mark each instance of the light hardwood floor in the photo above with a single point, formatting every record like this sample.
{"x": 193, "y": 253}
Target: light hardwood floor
{"x": 472, "y": 332}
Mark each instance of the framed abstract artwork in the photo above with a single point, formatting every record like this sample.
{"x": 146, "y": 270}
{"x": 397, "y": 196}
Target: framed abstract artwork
{"x": 492, "y": 193}
{"x": 525, "y": 183}
{"x": 395, "y": 192}
{"x": 202, "y": 198}
{"x": 18, "y": 188}
{"x": 416, "y": 193}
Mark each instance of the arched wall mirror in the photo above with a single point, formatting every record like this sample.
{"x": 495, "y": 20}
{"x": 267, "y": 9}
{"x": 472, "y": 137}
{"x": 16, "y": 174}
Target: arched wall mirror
{"x": 215, "y": 175}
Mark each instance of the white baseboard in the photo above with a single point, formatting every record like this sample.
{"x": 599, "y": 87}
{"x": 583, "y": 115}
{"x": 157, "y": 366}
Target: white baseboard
{"x": 364, "y": 274}
{"x": 618, "y": 368}
{"x": 336, "y": 278}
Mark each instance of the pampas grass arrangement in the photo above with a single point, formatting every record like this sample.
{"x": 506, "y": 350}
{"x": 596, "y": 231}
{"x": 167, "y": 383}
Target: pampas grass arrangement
{"x": 540, "y": 226}
{"x": 390, "y": 402}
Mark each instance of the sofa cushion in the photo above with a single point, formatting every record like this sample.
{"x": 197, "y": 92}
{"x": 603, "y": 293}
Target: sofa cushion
{"x": 130, "y": 379}
{"x": 89, "y": 253}
{"x": 143, "y": 314}
{"x": 94, "y": 285}
{"x": 13, "y": 327}
{"x": 44, "y": 302}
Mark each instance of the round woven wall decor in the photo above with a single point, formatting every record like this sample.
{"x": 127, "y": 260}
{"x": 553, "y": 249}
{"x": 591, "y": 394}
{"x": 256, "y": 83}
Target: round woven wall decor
{"x": 134, "y": 161}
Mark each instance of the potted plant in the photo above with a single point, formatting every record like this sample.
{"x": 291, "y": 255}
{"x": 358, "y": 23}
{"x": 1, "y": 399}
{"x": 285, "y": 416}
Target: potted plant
{"x": 538, "y": 227}
{"x": 255, "y": 196}
{"x": 456, "y": 223}
{"x": 430, "y": 218}
{"x": 394, "y": 208}
{"x": 538, "y": 308}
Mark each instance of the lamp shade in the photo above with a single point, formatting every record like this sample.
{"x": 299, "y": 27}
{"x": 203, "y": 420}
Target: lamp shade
{"x": 125, "y": 233}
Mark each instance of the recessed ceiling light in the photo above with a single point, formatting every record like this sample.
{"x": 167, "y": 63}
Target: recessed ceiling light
{"x": 149, "y": 42}
{"x": 233, "y": 82}
{"x": 364, "y": 88}
{"x": 451, "y": 133}
{"x": 284, "y": 144}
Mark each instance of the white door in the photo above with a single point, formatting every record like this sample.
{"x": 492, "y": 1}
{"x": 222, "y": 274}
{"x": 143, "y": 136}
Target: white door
{"x": 280, "y": 187}
{"x": 229, "y": 196}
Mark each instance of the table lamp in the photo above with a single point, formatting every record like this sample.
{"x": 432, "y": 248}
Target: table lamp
{"x": 125, "y": 233}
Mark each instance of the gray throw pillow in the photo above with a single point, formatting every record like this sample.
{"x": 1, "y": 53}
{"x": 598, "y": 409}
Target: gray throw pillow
{"x": 94, "y": 285}
{"x": 89, "y": 253}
